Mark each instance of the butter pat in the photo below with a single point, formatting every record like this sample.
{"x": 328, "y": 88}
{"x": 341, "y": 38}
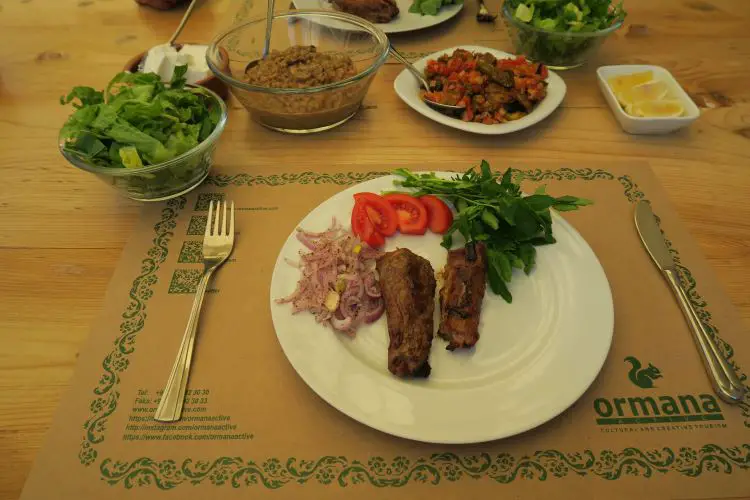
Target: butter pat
{"x": 162, "y": 60}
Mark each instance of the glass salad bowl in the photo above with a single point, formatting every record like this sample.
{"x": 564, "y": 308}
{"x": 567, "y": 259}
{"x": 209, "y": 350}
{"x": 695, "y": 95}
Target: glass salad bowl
{"x": 556, "y": 49}
{"x": 300, "y": 110}
{"x": 165, "y": 180}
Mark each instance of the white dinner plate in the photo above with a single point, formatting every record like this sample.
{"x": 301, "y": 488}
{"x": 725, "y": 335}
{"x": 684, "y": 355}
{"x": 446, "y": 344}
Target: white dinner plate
{"x": 535, "y": 357}
{"x": 407, "y": 88}
{"x": 405, "y": 21}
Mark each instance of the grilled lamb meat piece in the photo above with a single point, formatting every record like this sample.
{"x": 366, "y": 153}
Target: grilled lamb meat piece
{"x": 461, "y": 296}
{"x": 407, "y": 282}
{"x": 375, "y": 11}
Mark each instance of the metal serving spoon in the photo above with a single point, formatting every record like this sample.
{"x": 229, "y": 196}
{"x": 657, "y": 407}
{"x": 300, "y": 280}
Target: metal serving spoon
{"x": 443, "y": 108}
{"x": 269, "y": 24}
{"x": 183, "y": 22}
{"x": 267, "y": 41}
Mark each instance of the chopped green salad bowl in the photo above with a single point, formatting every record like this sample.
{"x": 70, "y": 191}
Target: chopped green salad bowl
{"x": 150, "y": 142}
{"x": 560, "y": 34}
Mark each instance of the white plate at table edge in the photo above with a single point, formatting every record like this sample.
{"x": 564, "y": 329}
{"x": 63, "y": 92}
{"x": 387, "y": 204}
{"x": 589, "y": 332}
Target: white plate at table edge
{"x": 339, "y": 371}
{"x": 407, "y": 88}
{"x": 403, "y": 23}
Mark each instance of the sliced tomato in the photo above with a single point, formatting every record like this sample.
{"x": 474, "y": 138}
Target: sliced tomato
{"x": 361, "y": 223}
{"x": 375, "y": 240}
{"x": 439, "y": 215}
{"x": 381, "y": 213}
{"x": 363, "y": 228}
{"x": 412, "y": 215}
{"x": 511, "y": 63}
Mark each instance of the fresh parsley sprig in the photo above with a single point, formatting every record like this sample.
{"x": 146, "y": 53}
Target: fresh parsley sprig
{"x": 491, "y": 208}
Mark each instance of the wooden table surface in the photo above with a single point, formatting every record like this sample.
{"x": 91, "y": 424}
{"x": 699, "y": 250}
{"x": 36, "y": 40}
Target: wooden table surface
{"x": 63, "y": 231}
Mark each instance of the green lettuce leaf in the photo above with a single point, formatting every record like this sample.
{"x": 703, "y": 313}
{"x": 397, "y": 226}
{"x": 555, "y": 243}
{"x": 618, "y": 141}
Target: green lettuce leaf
{"x": 86, "y": 97}
{"x": 130, "y": 158}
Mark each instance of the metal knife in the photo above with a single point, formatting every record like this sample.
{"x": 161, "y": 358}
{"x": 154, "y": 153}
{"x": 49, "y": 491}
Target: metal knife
{"x": 723, "y": 377}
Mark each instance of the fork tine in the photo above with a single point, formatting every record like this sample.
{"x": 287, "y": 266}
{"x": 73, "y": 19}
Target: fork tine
{"x": 217, "y": 219}
{"x": 231, "y": 222}
{"x": 224, "y": 226}
{"x": 209, "y": 220}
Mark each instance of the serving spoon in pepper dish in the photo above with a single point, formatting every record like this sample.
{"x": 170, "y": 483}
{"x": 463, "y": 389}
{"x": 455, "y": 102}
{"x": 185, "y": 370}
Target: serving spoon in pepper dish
{"x": 443, "y": 108}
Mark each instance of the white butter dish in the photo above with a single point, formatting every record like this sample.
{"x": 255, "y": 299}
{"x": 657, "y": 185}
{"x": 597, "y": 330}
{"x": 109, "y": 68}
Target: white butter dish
{"x": 647, "y": 125}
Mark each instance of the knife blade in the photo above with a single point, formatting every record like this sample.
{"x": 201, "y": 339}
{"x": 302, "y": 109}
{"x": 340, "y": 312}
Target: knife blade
{"x": 723, "y": 377}
{"x": 651, "y": 236}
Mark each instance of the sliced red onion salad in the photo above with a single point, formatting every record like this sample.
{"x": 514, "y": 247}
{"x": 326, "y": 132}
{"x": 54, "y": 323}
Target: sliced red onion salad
{"x": 338, "y": 282}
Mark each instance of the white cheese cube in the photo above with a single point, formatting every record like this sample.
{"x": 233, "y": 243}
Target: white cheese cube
{"x": 197, "y": 54}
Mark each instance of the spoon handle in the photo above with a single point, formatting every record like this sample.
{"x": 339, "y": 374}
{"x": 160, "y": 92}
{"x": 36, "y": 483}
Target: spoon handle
{"x": 269, "y": 25}
{"x": 184, "y": 21}
{"x": 414, "y": 71}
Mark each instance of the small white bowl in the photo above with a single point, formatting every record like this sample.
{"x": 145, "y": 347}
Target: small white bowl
{"x": 643, "y": 125}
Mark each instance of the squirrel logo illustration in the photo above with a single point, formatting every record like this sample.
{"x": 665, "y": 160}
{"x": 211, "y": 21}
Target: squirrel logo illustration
{"x": 642, "y": 377}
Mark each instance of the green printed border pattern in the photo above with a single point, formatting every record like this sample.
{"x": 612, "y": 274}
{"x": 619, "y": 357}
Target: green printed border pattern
{"x": 106, "y": 394}
{"x": 378, "y": 472}
{"x": 502, "y": 468}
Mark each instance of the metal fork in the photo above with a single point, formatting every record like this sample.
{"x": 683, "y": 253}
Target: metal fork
{"x": 217, "y": 245}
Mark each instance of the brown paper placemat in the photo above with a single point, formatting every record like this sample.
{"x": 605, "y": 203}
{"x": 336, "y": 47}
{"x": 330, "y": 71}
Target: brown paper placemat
{"x": 648, "y": 426}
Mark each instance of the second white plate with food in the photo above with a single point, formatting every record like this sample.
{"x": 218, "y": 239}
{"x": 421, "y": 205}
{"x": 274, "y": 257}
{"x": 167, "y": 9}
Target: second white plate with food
{"x": 535, "y": 357}
{"x": 405, "y": 21}
{"x": 408, "y": 90}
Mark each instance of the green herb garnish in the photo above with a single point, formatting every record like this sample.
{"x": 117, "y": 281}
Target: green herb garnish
{"x": 492, "y": 209}
{"x": 431, "y": 7}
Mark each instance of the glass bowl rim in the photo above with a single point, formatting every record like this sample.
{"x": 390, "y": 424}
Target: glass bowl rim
{"x": 128, "y": 172}
{"x": 376, "y": 32}
{"x": 508, "y": 16}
